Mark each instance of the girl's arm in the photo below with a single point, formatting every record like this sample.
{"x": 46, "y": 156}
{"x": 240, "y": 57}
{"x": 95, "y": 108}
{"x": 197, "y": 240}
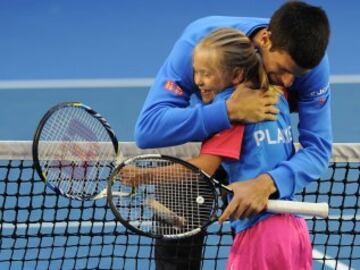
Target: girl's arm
{"x": 207, "y": 163}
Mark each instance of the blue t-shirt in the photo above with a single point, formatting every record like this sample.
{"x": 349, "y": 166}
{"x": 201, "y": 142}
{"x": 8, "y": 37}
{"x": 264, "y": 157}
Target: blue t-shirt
{"x": 264, "y": 146}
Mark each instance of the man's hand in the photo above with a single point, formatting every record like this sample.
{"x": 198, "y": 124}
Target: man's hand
{"x": 250, "y": 197}
{"x": 249, "y": 105}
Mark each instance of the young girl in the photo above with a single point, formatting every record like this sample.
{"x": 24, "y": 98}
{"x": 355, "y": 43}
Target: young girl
{"x": 222, "y": 60}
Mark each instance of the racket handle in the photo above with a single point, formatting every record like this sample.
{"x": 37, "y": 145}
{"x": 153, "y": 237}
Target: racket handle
{"x": 303, "y": 208}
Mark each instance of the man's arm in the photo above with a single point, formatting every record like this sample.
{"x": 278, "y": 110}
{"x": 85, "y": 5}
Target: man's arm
{"x": 167, "y": 122}
{"x": 307, "y": 165}
{"x": 167, "y": 119}
{"x": 315, "y": 134}
{"x": 289, "y": 177}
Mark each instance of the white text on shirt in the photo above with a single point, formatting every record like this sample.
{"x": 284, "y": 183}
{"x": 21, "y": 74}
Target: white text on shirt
{"x": 281, "y": 136}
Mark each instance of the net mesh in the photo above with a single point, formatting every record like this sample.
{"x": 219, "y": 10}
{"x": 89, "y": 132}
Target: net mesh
{"x": 41, "y": 230}
{"x": 171, "y": 199}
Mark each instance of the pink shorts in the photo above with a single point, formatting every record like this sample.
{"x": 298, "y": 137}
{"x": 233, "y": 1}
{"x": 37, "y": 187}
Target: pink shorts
{"x": 278, "y": 242}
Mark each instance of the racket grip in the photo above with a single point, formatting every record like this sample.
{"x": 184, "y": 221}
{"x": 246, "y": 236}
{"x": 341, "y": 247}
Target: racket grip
{"x": 303, "y": 208}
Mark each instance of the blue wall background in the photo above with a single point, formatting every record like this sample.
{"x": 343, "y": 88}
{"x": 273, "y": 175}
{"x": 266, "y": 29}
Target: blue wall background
{"x": 90, "y": 38}
{"x": 54, "y": 39}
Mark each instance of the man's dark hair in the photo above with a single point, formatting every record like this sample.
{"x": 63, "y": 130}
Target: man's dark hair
{"x": 301, "y": 30}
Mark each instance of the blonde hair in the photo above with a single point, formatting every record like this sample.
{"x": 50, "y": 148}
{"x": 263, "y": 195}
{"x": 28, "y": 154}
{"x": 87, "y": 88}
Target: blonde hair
{"x": 235, "y": 50}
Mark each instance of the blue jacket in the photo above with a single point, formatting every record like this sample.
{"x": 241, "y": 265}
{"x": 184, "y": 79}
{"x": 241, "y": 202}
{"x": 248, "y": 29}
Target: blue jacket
{"x": 167, "y": 119}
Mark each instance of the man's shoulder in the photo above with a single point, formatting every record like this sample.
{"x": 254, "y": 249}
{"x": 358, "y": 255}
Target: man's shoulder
{"x": 209, "y": 23}
{"x": 229, "y": 19}
{"x": 314, "y": 81}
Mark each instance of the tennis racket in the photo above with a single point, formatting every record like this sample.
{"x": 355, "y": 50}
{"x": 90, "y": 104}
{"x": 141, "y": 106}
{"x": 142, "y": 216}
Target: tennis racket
{"x": 75, "y": 151}
{"x": 174, "y": 199}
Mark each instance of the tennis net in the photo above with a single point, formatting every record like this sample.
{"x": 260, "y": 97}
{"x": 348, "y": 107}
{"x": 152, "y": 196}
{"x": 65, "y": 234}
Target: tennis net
{"x": 41, "y": 230}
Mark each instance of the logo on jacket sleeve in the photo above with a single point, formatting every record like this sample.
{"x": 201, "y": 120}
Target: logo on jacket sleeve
{"x": 173, "y": 87}
{"x": 320, "y": 92}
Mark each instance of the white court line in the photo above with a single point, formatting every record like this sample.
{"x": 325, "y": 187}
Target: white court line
{"x": 336, "y": 79}
{"x": 76, "y": 83}
{"x": 118, "y": 82}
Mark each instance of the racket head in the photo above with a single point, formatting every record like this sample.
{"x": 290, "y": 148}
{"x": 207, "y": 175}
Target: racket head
{"x": 176, "y": 200}
{"x": 74, "y": 149}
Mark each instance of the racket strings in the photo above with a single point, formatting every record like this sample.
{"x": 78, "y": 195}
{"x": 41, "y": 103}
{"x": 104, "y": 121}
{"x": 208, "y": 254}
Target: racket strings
{"x": 173, "y": 199}
{"x": 75, "y": 152}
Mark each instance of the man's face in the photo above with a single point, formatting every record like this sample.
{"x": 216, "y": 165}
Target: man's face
{"x": 281, "y": 68}
{"x": 279, "y": 65}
